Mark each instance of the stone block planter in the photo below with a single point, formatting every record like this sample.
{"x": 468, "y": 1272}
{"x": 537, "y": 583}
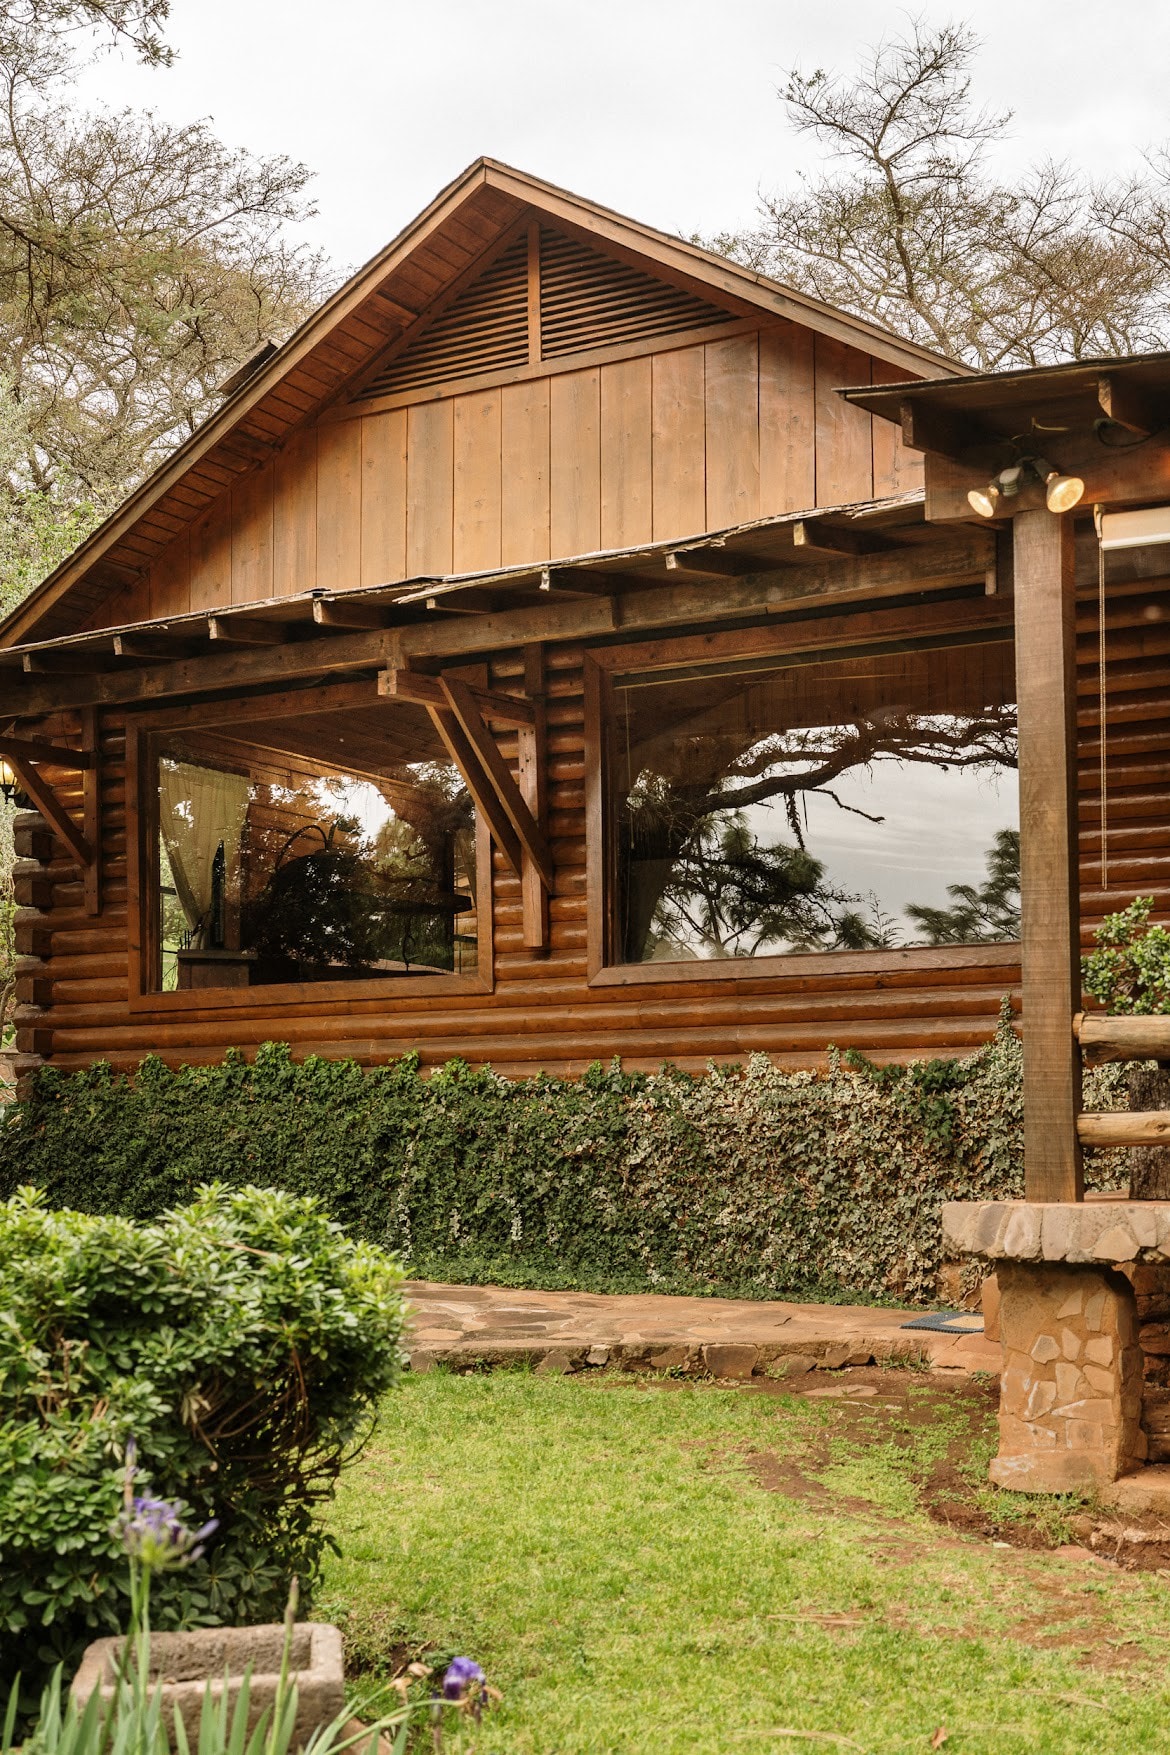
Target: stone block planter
{"x": 183, "y": 1663}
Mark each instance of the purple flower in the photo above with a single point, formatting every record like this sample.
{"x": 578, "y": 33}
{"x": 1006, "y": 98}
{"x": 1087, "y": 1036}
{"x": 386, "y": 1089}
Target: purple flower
{"x": 154, "y": 1534}
{"x": 464, "y": 1680}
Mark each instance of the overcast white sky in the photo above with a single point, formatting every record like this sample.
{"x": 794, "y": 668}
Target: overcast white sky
{"x": 663, "y": 109}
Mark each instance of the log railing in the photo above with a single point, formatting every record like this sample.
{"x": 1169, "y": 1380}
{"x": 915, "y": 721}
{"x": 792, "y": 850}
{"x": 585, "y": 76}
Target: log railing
{"x": 1104, "y": 1039}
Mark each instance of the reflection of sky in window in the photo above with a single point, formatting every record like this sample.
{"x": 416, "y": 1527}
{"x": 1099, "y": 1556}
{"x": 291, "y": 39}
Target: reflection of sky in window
{"x": 359, "y": 799}
{"x": 939, "y": 825}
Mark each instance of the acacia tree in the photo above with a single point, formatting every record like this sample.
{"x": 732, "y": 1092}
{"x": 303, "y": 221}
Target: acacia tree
{"x": 909, "y": 224}
{"x": 71, "y": 25}
{"x": 693, "y": 871}
{"x": 140, "y": 263}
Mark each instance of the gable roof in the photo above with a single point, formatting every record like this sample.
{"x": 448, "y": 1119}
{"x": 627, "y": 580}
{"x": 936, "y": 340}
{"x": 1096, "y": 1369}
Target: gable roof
{"x": 379, "y": 306}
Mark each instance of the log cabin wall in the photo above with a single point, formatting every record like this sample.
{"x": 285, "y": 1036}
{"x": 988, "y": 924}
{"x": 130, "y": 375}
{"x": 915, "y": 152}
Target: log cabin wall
{"x": 657, "y": 445}
{"x": 542, "y": 1013}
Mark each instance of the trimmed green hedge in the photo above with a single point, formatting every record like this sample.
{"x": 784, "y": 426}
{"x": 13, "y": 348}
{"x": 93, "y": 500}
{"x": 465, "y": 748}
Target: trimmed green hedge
{"x": 242, "y": 1341}
{"x": 747, "y": 1180}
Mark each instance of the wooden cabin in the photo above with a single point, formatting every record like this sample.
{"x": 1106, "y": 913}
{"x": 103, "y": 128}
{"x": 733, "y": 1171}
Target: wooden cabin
{"x": 537, "y": 659}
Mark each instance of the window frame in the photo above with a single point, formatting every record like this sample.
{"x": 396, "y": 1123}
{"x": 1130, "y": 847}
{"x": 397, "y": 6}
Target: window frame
{"x": 145, "y": 994}
{"x": 603, "y": 669}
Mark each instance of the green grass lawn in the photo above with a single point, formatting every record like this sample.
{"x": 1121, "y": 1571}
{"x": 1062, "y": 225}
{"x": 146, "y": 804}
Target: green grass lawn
{"x": 640, "y": 1569}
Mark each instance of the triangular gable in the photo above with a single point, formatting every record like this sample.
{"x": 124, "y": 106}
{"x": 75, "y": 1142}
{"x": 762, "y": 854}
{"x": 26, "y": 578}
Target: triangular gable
{"x": 595, "y": 259}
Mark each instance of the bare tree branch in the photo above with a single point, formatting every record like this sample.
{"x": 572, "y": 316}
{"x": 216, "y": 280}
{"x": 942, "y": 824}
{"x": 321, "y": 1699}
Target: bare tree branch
{"x": 908, "y": 224}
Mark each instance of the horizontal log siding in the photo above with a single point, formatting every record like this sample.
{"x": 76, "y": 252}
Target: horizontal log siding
{"x": 543, "y": 1014}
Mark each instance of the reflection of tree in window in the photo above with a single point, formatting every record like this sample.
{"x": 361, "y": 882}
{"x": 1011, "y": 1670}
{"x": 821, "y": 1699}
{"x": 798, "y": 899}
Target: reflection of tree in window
{"x": 987, "y": 913}
{"x": 767, "y": 814}
{"x": 339, "y": 895}
{"x": 275, "y": 868}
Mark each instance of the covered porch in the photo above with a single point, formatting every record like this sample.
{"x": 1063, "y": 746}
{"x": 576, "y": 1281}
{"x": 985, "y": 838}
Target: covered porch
{"x": 1083, "y": 1287}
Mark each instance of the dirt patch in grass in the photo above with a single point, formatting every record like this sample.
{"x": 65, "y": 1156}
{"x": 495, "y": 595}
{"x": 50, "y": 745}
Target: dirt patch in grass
{"x": 945, "y": 1428}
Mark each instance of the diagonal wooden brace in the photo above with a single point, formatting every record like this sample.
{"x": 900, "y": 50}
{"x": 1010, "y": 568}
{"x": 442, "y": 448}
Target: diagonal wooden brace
{"x": 525, "y": 829}
{"x": 479, "y": 784}
{"x": 28, "y": 749}
{"x": 53, "y": 811}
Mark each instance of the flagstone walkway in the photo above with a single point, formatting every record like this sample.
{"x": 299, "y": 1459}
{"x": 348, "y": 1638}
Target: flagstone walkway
{"x": 721, "y": 1337}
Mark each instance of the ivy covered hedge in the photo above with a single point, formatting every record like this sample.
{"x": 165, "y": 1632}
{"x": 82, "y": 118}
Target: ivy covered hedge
{"x": 746, "y": 1180}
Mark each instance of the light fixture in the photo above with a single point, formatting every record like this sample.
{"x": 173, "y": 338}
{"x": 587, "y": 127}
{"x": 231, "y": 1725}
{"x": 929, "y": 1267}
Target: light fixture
{"x": 985, "y": 501}
{"x": 8, "y": 784}
{"x": 1061, "y": 492}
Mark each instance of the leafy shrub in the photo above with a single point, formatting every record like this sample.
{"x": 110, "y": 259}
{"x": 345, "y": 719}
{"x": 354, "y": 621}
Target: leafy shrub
{"x": 1129, "y": 972}
{"x": 748, "y": 1180}
{"x": 242, "y": 1341}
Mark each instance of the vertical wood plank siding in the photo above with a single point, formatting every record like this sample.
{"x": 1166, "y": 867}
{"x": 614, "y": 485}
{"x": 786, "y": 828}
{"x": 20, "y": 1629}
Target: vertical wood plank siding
{"x": 666, "y": 444}
{"x": 543, "y": 1013}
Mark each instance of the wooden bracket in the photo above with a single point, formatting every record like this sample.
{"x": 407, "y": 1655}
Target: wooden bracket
{"x": 489, "y": 780}
{"x": 53, "y": 811}
{"x": 29, "y": 749}
{"x": 479, "y": 784}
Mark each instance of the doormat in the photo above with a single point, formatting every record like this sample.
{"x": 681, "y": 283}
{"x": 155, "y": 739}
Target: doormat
{"x": 951, "y": 1322}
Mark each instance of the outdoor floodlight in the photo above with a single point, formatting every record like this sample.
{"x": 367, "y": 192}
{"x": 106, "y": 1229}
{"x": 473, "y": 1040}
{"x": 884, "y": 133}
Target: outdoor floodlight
{"x": 1061, "y": 492}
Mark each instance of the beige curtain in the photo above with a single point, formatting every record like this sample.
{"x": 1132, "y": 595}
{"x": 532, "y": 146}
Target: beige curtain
{"x": 199, "y": 808}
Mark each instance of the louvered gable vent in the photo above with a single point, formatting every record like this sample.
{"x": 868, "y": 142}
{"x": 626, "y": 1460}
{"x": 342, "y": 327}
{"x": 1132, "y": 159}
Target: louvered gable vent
{"x": 587, "y": 300}
{"x": 483, "y": 329}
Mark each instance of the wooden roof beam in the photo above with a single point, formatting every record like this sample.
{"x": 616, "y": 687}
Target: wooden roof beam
{"x": 1125, "y": 403}
{"x": 152, "y": 645}
{"x": 471, "y": 601}
{"x": 961, "y": 558}
{"x": 714, "y": 562}
{"x": 235, "y": 631}
{"x": 72, "y": 661}
{"x": 577, "y": 582}
{"x": 816, "y": 536}
{"x": 926, "y": 427}
{"x": 330, "y": 612}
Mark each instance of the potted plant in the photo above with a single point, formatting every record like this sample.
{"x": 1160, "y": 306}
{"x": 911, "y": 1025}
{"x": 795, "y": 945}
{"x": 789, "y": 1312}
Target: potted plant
{"x": 1129, "y": 975}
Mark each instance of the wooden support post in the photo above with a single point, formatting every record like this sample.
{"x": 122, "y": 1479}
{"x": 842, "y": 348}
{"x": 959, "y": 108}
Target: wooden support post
{"x": 1046, "y": 697}
{"x": 91, "y": 792}
{"x": 531, "y": 743}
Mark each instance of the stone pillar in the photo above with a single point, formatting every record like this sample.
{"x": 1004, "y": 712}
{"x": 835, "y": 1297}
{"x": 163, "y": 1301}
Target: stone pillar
{"x": 1071, "y": 1394}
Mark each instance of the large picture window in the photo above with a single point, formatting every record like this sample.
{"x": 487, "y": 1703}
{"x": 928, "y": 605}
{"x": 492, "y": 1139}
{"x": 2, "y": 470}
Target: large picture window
{"x": 831, "y": 802}
{"x": 295, "y": 851}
